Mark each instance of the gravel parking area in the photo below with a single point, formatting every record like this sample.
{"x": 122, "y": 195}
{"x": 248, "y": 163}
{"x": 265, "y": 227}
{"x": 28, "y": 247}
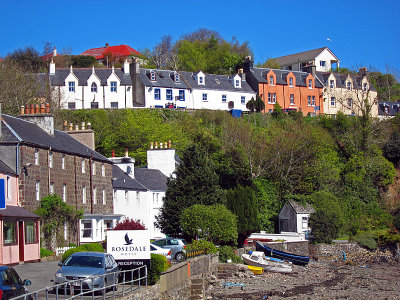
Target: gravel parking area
{"x": 318, "y": 280}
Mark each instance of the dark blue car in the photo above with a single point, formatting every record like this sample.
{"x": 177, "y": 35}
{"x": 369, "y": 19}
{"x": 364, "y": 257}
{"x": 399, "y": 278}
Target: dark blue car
{"x": 11, "y": 284}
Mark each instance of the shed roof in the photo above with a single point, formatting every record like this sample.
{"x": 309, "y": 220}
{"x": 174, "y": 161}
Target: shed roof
{"x": 17, "y": 211}
{"x": 301, "y": 209}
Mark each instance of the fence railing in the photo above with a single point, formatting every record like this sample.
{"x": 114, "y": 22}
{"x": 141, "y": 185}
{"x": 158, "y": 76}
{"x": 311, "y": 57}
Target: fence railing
{"x": 127, "y": 280}
{"x": 62, "y": 250}
{"x": 191, "y": 254}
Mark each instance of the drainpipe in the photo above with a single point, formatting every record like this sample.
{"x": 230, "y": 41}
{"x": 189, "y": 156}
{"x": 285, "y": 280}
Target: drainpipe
{"x": 91, "y": 185}
{"x": 104, "y": 98}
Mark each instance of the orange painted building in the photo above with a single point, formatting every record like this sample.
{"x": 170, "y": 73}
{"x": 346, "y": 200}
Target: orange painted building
{"x": 295, "y": 90}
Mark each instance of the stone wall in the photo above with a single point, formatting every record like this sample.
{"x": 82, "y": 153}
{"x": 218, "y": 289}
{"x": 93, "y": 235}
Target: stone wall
{"x": 145, "y": 293}
{"x": 352, "y": 252}
{"x": 299, "y": 248}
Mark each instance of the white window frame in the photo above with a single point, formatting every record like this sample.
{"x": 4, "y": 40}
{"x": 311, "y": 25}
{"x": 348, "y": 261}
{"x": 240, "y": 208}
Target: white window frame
{"x": 291, "y": 81}
{"x": 8, "y": 187}
{"x": 269, "y": 97}
{"x": 224, "y": 98}
{"x": 237, "y": 83}
{"x": 271, "y": 80}
{"x": 94, "y": 195}
{"x": 274, "y": 98}
{"x": 310, "y": 85}
{"x": 93, "y": 168}
{"x": 204, "y": 97}
{"x": 350, "y": 102}
{"x": 84, "y": 194}
{"x": 93, "y": 87}
{"x": 176, "y": 77}
{"x": 37, "y": 190}
{"x": 291, "y": 97}
{"x": 333, "y": 101}
{"x": 64, "y": 192}
{"x": 201, "y": 80}
{"x": 243, "y": 99}
{"x": 348, "y": 85}
{"x": 51, "y": 188}
{"x": 152, "y": 76}
{"x": 168, "y": 94}
{"x": 308, "y": 100}
{"x": 322, "y": 63}
{"x": 37, "y": 157}
{"x": 304, "y": 222}
{"x": 50, "y": 159}
{"x": 104, "y": 196}
{"x": 113, "y": 86}
{"x": 63, "y": 162}
{"x": 126, "y": 197}
{"x": 157, "y": 94}
{"x": 312, "y": 100}
{"x": 103, "y": 170}
{"x": 71, "y": 86}
{"x": 83, "y": 165}
{"x": 365, "y": 86}
{"x": 332, "y": 84}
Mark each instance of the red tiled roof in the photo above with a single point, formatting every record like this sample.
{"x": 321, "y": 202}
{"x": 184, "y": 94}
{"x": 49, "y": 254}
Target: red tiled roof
{"x": 122, "y": 50}
{"x": 1, "y": 59}
{"x": 47, "y": 56}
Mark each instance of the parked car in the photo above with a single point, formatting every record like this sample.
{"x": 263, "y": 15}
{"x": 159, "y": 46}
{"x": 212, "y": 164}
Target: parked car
{"x": 162, "y": 251}
{"x": 11, "y": 284}
{"x": 81, "y": 265}
{"x": 177, "y": 247}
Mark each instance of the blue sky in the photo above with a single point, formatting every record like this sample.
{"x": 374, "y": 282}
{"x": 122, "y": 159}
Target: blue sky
{"x": 363, "y": 32}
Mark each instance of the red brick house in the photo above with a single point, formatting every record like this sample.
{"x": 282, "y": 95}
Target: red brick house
{"x": 293, "y": 90}
{"x": 50, "y": 161}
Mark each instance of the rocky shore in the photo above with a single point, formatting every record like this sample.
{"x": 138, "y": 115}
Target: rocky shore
{"x": 318, "y": 280}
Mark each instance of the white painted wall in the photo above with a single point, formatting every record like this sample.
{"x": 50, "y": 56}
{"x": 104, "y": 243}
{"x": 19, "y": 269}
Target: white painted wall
{"x": 151, "y": 102}
{"x": 214, "y": 99}
{"x": 324, "y": 56}
{"x": 99, "y": 231}
{"x": 300, "y": 228}
{"x": 161, "y": 159}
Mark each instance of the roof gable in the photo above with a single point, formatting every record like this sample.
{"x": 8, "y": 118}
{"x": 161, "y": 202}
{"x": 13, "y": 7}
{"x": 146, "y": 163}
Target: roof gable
{"x": 302, "y": 56}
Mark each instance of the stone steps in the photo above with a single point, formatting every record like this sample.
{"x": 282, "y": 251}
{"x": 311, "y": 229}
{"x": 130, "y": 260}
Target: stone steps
{"x": 197, "y": 289}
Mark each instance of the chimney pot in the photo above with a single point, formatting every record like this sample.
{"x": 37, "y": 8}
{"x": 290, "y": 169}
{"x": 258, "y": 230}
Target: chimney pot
{"x": 42, "y": 108}
{"x": 151, "y": 145}
{"x": 76, "y": 127}
{"x": 126, "y": 152}
{"x": 65, "y": 125}
{"x": 37, "y": 108}
{"x": 47, "y": 108}
{"x": 22, "y": 109}
{"x": 89, "y": 125}
{"x": 32, "y": 109}
{"x": 71, "y": 126}
{"x": 112, "y": 153}
{"x": 169, "y": 144}
{"x": 83, "y": 125}
{"x": 156, "y": 147}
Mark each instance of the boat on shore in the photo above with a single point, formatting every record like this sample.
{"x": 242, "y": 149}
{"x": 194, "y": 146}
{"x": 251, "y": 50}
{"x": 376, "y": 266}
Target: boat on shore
{"x": 294, "y": 258}
{"x": 258, "y": 259}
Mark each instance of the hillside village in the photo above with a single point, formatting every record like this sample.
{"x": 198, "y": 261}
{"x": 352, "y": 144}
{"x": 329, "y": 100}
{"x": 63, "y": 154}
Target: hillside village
{"x": 128, "y": 141}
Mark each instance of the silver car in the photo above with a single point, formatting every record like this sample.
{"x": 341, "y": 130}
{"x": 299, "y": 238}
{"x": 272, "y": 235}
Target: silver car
{"x": 177, "y": 246}
{"x": 81, "y": 265}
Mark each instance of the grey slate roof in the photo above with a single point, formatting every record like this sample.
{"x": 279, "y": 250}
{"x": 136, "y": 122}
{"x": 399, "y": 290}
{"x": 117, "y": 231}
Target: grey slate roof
{"x": 164, "y": 78}
{"x": 215, "y": 82}
{"x": 153, "y": 180}
{"x": 300, "y": 209}
{"x": 6, "y": 169}
{"x": 340, "y": 79}
{"x": 301, "y": 56}
{"x": 124, "y": 181}
{"x": 83, "y": 74}
{"x": 394, "y": 108}
{"x": 15, "y": 130}
{"x": 17, "y": 211}
{"x": 281, "y": 76}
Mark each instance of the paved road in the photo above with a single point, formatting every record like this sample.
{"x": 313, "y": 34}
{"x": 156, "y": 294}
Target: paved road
{"x": 41, "y": 274}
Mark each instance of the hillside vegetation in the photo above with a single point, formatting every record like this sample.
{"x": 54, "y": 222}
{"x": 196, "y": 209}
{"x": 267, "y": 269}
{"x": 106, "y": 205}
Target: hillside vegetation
{"x": 331, "y": 163}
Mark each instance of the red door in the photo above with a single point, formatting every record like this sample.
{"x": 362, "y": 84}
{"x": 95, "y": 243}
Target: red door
{"x": 21, "y": 240}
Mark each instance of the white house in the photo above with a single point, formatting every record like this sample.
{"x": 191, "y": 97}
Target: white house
{"x": 139, "y": 192}
{"x": 294, "y": 217}
{"x": 322, "y": 58}
{"x": 90, "y": 88}
{"x": 218, "y": 92}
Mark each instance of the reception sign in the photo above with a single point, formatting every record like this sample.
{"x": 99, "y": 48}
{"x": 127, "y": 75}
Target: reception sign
{"x": 129, "y": 247}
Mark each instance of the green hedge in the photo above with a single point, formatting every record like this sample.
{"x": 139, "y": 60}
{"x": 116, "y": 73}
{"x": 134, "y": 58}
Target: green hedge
{"x": 227, "y": 252}
{"x": 45, "y": 252}
{"x": 201, "y": 245}
{"x": 94, "y": 247}
{"x": 158, "y": 264}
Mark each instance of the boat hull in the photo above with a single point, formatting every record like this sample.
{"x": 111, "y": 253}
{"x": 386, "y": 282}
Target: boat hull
{"x": 280, "y": 267}
{"x": 296, "y": 259}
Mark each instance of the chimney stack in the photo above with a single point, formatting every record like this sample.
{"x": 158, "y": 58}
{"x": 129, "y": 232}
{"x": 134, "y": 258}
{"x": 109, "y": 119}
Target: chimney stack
{"x": 52, "y": 67}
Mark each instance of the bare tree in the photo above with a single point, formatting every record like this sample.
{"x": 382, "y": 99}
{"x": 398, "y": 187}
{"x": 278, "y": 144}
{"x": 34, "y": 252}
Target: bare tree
{"x": 163, "y": 55}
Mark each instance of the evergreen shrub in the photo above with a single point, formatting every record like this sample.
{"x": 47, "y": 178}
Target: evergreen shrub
{"x": 158, "y": 264}
{"x": 45, "y": 252}
{"x": 227, "y": 252}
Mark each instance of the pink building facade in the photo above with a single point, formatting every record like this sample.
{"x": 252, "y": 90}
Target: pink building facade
{"x": 19, "y": 234}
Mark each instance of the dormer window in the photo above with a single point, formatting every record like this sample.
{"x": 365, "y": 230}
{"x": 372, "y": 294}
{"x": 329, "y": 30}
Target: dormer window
{"x": 113, "y": 87}
{"x": 332, "y": 84}
{"x": 152, "y": 76}
{"x": 201, "y": 80}
{"x": 71, "y": 86}
{"x": 271, "y": 80}
{"x": 310, "y": 83}
{"x": 348, "y": 85}
{"x": 365, "y": 86}
{"x": 93, "y": 88}
{"x": 237, "y": 83}
{"x": 291, "y": 81}
{"x": 176, "y": 78}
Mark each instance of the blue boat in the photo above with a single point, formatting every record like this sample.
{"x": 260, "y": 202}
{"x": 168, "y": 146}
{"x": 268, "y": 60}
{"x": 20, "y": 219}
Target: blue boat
{"x": 296, "y": 259}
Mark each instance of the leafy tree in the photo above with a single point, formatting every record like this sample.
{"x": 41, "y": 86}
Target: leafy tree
{"x": 211, "y": 222}
{"x": 242, "y": 201}
{"x": 54, "y": 213}
{"x": 386, "y": 85}
{"x": 251, "y": 105}
{"x": 324, "y": 226}
{"x": 195, "y": 182}
{"x": 259, "y": 105}
{"x": 130, "y": 224}
{"x": 83, "y": 61}
{"x": 271, "y": 63}
{"x": 277, "y": 112}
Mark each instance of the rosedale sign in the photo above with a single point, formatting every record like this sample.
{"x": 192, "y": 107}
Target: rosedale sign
{"x": 129, "y": 247}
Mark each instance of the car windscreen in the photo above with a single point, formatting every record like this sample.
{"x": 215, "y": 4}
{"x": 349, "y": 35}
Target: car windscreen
{"x": 84, "y": 261}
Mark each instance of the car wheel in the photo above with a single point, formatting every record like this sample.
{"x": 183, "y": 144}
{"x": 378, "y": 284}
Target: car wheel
{"x": 179, "y": 256}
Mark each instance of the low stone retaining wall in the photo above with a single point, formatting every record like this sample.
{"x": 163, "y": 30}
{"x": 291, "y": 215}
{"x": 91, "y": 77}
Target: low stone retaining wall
{"x": 299, "y": 248}
{"x": 353, "y": 252}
